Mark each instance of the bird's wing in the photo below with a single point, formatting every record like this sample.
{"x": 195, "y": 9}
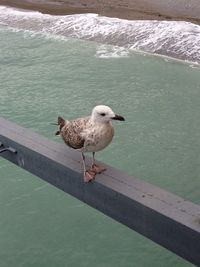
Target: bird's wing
{"x": 71, "y": 132}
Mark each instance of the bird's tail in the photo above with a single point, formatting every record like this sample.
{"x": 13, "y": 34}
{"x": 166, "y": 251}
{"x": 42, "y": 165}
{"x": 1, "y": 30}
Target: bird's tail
{"x": 60, "y": 123}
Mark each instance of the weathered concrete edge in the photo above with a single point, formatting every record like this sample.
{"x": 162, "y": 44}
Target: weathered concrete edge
{"x": 154, "y": 214}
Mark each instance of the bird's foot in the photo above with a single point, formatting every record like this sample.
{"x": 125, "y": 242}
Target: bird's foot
{"x": 97, "y": 169}
{"x": 89, "y": 175}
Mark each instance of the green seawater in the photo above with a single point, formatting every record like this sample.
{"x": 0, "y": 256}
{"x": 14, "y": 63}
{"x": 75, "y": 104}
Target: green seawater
{"x": 43, "y": 77}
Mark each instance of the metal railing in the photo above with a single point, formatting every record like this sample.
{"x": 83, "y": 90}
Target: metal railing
{"x": 163, "y": 217}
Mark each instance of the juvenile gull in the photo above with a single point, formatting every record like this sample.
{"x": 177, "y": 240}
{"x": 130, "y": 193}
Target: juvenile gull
{"x": 89, "y": 134}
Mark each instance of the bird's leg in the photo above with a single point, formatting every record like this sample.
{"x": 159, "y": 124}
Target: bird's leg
{"x": 96, "y": 168}
{"x": 88, "y": 174}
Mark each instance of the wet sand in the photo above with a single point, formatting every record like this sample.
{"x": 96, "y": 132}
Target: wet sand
{"x": 187, "y": 10}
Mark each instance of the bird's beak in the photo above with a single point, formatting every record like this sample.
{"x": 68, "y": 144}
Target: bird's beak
{"x": 118, "y": 117}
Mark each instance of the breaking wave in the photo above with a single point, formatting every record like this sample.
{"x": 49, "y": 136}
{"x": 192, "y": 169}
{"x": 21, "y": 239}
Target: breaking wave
{"x": 177, "y": 39}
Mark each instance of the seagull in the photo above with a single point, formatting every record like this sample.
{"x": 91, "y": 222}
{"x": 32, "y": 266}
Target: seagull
{"x": 89, "y": 134}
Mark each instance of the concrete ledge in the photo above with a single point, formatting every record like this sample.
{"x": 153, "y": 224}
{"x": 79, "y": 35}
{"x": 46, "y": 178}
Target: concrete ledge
{"x": 159, "y": 215}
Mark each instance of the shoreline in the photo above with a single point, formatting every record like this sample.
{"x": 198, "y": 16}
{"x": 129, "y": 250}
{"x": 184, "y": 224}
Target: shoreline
{"x": 127, "y": 9}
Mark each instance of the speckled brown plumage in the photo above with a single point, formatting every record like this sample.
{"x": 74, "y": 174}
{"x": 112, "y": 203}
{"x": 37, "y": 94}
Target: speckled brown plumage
{"x": 71, "y": 132}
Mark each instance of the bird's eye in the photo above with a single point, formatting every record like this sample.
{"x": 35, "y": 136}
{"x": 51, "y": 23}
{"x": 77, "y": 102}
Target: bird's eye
{"x": 103, "y": 114}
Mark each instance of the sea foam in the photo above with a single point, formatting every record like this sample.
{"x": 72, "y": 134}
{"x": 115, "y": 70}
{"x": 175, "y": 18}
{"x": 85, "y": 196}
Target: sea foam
{"x": 177, "y": 39}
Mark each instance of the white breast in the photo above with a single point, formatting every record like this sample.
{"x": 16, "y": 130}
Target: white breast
{"x": 98, "y": 137}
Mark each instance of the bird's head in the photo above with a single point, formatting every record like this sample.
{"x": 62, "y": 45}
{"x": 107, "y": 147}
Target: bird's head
{"x": 103, "y": 113}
